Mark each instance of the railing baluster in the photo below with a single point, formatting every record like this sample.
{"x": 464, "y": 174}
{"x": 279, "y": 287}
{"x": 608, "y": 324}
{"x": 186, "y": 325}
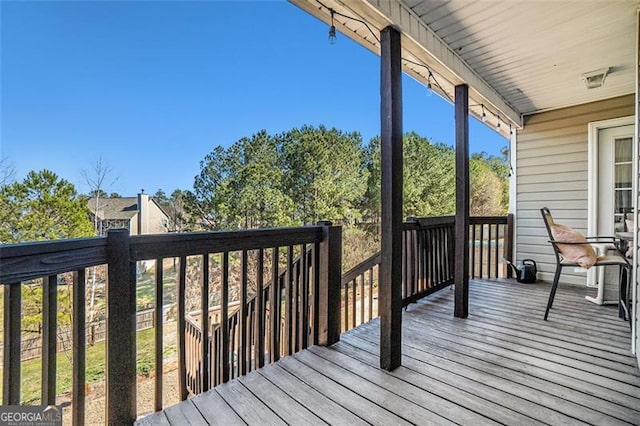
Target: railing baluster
{"x": 316, "y": 293}
{"x": 430, "y": 263}
{"x": 304, "y": 332}
{"x": 295, "y": 308}
{"x": 275, "y": 302}
{"x": 405, "y": 260}
{"x": 370, "y": 294}
{"x": 217, "y": 349}
{"x": 232, "y": 345}
{"x": 412, "y": 263}
{"x": 182, "y": 295}
{"x": 362, "y": 299}
{"x": 288, "y": 284}
{"x": 49, "y": 338}
{"x": 497, "y": 252}
{"x": 473, "y": 251}
{"x": 204, "y": 323}
{"x": 251, "y": 327}
{"x": 159, "y": 329}
{"x": 261, "y": 311}
{"x": 490, "y": 256}
{"x": 353, "y": 302}
{"x": 423, "y": 261}
{"x": 242, "y": 319}
{"x": 481, "y": 275}
{"x": 345, "y": 304}
{"x": 12, "y": 340}
{"x": 441, "y": 265}
{"x": 224, "y": 317}
{"x": 79, "y": 348}
{"x": 438, "y": 251}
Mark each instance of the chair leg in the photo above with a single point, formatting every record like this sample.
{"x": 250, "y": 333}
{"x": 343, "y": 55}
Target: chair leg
{"x": 623, "y": 296}
{"x": 552, "y": 295}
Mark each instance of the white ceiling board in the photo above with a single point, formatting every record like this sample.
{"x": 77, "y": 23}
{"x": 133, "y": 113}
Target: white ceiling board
{"x": 518, "y": 56}
{"x": 534, "y": 52}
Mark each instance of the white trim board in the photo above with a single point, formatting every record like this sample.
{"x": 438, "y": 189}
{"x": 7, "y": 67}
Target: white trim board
{"x": 592, "y": 194}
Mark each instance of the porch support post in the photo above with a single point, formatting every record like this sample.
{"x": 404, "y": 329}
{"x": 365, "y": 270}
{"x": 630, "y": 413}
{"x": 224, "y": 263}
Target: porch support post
{"x": 461, "y": 273}
{"x": 390, "y": 291}
{"x": 121, "y": 330}
{"x": 330, "y": 277}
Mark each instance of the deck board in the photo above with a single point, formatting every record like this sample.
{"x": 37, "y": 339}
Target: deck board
{"x": 502, "y": 365}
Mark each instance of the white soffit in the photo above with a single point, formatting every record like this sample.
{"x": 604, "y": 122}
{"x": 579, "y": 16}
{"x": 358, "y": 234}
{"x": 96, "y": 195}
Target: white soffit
{"x": 413, "y": 50}
{"x": 534, "y": 52}
{"x": 518, "y": 57}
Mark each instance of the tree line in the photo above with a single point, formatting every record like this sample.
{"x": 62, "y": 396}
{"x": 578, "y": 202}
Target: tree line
{"x": 313, "y": 173}
{"x": 292, "y": 178}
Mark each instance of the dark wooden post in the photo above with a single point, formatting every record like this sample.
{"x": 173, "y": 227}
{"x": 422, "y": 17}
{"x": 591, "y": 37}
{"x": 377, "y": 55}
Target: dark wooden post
{"x": 121, "y": 330}
{"x": 508, "y": 243}
{"x": 461, "y": 273}
{"x": 11, "y": 354}
{"x": 330, "y": 274}
{"x": 49, "y": 338}
{"x": 390, "y": 291}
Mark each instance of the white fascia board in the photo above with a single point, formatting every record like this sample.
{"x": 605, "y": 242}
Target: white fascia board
{"x": 453, "y": 67}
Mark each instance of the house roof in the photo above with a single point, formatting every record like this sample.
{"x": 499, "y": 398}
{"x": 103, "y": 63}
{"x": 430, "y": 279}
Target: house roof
{"x": 518, "y": 58}
{"x": 114, "y": 208}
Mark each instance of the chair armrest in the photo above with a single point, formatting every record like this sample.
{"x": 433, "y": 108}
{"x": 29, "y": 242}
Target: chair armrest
{"x": 573, "y": 242}
{"x": 615, "y": 247}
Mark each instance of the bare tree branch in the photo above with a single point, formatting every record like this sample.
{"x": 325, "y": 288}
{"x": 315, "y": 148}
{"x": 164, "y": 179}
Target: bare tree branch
{"x": 7, "y": 171}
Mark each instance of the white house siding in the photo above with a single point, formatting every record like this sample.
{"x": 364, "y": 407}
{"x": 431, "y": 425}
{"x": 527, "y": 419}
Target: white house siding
{"x": 552, "y": 162}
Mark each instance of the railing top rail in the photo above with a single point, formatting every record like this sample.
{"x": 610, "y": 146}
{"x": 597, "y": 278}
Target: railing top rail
{"x": 27, "y": 261}
{"x": 488, "y": 220}
{"x": 428, "y": 222}
{"x": 43, "y": 247}
{"x": 174, "y": 245}
{"x": 361, "y": 267}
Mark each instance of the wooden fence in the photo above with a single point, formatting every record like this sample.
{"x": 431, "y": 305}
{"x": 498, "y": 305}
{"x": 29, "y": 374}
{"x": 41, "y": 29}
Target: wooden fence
{"x": 96, "y": 332}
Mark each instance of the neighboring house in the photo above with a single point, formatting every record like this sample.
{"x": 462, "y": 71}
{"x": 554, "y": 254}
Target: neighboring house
{"x": 140, "y": 215}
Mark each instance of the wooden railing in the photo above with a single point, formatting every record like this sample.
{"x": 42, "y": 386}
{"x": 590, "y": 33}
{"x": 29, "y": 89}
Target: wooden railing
{"x": 28, "y": 263}
{"x": 427, "y": 259}
{"x": 491, "y": 239}
{"x": 360, "y": 293}
{"x": 257, "y": 322}
{"x": 301, "y": 290}
{"x": 306, "y": 300}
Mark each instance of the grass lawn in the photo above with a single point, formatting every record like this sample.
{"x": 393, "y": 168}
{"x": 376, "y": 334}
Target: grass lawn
{"x": 31, "y": 369}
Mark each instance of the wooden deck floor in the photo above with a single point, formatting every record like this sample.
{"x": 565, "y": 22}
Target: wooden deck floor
{"x": 502, "y": 365}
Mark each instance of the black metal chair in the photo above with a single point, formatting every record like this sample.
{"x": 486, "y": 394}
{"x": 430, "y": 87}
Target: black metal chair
{"x": 617, "y": 259}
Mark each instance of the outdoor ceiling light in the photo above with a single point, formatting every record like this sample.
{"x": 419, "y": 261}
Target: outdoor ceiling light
{"x": 429, "y": 88}
{"x": 484, "y": 115}
{"x": 594, "y": 79}
{"x": 332, "y": 30}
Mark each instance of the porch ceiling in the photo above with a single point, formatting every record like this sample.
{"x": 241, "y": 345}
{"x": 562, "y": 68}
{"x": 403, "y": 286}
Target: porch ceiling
{"x": 518, "y": 57}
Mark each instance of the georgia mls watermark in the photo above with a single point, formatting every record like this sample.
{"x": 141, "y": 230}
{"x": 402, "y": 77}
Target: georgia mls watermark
{"x": 30, "y": 415}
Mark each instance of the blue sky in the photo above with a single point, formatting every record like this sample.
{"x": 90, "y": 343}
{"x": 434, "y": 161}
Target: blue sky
{"x": 152, "y": 87}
